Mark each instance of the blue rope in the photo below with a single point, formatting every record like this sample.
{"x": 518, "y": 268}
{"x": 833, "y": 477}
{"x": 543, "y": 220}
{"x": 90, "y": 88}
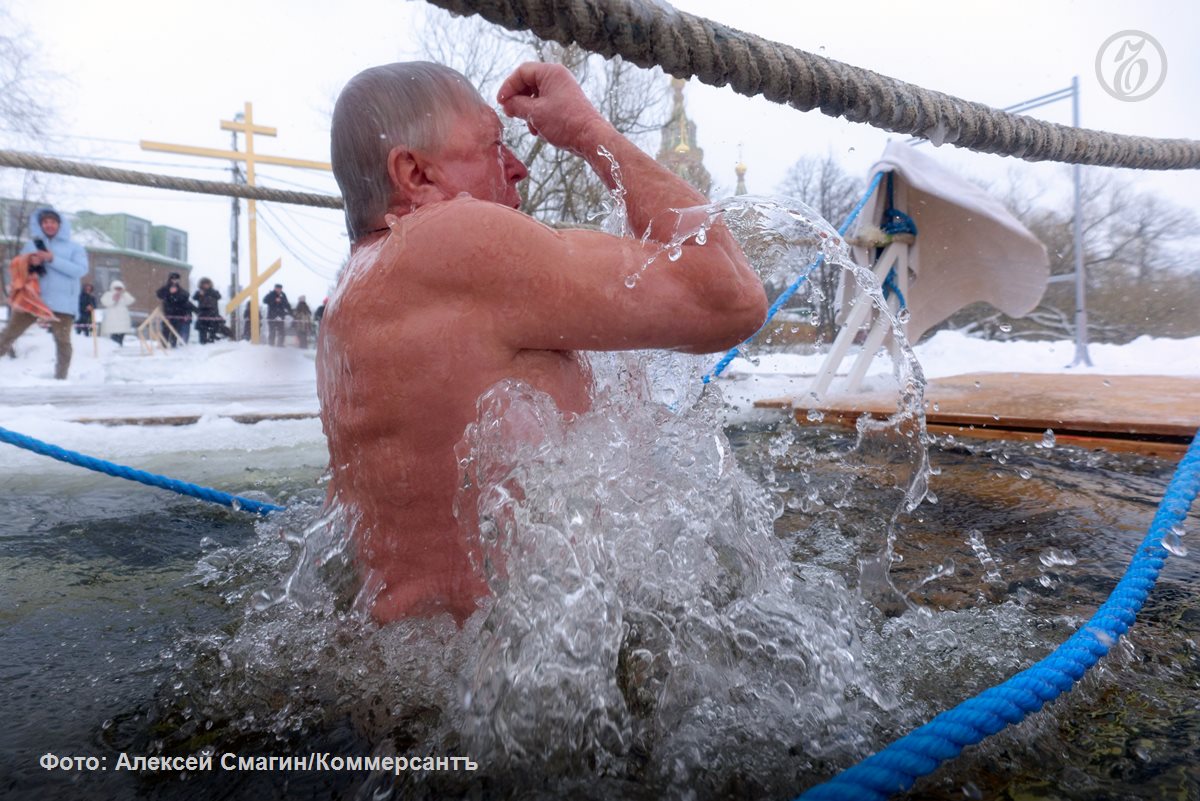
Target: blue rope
{"x": 897, "y": 222}
{"x": 895, "y": 768}
{"x": 894, "y": 222}
{"x": 786, "y": 295}
{"x": 120, "y": 471}
{"x": 890, "y": 287}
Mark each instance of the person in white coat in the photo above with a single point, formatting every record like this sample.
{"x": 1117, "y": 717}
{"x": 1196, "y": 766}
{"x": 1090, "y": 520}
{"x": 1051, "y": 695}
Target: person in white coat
{"x": 116, "y": 302}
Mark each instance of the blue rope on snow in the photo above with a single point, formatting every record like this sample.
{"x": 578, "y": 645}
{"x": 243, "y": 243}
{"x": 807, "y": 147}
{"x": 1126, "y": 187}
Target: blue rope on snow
{"x": 121, "y": 471}
{"x": 895, "y": 768}
{"x": 786, "y": 295}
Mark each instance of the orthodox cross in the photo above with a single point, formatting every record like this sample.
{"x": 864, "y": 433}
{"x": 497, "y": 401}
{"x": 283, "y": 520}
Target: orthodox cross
{"x": 246, "y": 126}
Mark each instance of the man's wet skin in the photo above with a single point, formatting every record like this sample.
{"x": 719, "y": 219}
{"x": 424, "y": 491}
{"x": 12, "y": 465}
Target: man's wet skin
{"x": 455, "y": 291}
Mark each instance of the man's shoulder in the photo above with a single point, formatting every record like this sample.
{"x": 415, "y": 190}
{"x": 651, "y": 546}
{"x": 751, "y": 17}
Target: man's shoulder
{"x": 450, "y": 222}
{"x": 457, "y": 232}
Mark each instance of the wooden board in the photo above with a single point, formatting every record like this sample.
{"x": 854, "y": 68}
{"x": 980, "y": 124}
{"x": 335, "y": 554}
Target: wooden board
{"x": 1146, "y": 414}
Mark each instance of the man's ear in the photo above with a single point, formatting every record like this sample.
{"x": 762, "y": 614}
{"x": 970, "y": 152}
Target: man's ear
{"x": 407, "y": 170}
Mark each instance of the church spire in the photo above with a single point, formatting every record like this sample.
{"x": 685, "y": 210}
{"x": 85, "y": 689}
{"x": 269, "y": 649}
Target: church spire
{"x": 740, "y": 169}
{"x": 679, "y": 151}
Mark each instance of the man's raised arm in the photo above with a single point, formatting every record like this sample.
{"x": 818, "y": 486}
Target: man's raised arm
{"x": 550, "y": 101}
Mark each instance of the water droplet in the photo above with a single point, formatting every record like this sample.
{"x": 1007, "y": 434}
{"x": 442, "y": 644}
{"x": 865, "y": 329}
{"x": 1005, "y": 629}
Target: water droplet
{"x": 904, "y": 315}
{"x": 1173, "y": 544}
{"x": 1005, "y": 327}
{"x": 1055, "y": 558}
{"x": 1024, "y": 473}
{"x": 675, "y": 253}
{"x": 936, "y": 406}
{"x": 702, "y": 236}
{"x": 631, "y": 281}
{"x": 815, "y": 415}
{"x": 1048, "y": 439}
{"x": 978, "y": 384}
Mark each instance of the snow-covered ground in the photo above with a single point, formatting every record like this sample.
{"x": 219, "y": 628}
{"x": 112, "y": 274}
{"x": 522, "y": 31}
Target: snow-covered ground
{"x": 949, "y": 353}
{"x": 211, "y": 381}
{"x": 217, "y": 381}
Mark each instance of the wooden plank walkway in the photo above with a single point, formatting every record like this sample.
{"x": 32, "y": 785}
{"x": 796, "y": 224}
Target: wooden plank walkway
{"x": 1153, "y": 415}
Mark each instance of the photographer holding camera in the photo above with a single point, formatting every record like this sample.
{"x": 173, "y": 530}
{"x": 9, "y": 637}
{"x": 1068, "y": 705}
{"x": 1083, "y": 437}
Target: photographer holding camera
{"x": 58, "y": 263}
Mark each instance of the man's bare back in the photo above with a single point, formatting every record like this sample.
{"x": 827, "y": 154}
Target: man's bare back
{"x": 451, "y": 290}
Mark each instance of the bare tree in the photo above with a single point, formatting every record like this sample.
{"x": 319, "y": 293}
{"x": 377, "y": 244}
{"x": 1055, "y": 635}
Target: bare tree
{"x": 23, "y": 109}
{"x": 561, "y": 188}
{"x": 25, "y": 117}
{"x": 1141, "y": 277}
{"x": 824, "y": 185}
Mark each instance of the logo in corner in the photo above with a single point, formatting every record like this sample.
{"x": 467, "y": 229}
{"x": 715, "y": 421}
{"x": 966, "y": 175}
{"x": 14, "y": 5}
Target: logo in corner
{"x": 1131, "y": 65}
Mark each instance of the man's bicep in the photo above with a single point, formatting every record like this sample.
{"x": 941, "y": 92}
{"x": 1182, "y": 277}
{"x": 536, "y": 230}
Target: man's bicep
{"x": 546, "y": 289}
{"x": 587, "y": 290}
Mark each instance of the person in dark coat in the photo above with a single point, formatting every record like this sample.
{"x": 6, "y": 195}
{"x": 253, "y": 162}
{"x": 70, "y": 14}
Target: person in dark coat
{"x": 87, "y": 305}
{"x": 209, "y": 323}
{"x": 177, "y": 308}
{"x": 278, "y": 310}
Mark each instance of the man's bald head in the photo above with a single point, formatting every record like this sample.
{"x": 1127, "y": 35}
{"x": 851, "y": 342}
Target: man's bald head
{"x": 409, "y": 104}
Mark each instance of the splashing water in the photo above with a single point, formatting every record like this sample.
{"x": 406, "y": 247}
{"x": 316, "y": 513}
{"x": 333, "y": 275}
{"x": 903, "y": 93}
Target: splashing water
{"x": 646, "y": 622}
{"x": 645, "y": 605}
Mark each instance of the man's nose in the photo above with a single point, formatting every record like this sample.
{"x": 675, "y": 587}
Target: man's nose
{"x": 516, "y": 169}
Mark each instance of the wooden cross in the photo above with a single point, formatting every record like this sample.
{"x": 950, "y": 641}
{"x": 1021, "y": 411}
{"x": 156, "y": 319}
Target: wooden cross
{"x": 246, "y": 127}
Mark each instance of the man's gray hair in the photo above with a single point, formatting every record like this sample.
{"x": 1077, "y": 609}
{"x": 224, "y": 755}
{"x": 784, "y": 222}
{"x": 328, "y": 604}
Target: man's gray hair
{"x": 410, "y": 104}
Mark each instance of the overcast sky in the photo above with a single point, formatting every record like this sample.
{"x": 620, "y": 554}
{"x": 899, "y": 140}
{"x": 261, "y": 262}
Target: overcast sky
{"x": 127, "y": 70}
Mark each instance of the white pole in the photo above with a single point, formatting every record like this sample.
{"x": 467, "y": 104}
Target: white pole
{"x": 1081, "y": 334}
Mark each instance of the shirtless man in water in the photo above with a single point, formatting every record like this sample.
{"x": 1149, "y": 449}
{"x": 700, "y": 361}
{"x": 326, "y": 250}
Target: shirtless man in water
{"x": 450, "y": 289}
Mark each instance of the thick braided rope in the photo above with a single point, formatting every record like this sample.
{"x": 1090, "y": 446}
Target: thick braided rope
{"x": 30, "y": 161}
{"x": 895, "y": 768}
{"x": 654, "y": 34}
{"x": 129, "y": 473}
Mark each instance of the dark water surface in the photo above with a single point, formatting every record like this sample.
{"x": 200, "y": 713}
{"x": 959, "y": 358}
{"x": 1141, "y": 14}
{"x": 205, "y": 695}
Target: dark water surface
{"x": 116, "y": 607}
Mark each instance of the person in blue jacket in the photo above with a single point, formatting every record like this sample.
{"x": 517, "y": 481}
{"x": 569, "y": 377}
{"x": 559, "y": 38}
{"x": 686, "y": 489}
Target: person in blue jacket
{"x": 65, "y": 263}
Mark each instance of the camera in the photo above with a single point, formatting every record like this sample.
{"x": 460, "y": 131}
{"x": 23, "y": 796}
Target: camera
{"x": 38, "y": 269}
